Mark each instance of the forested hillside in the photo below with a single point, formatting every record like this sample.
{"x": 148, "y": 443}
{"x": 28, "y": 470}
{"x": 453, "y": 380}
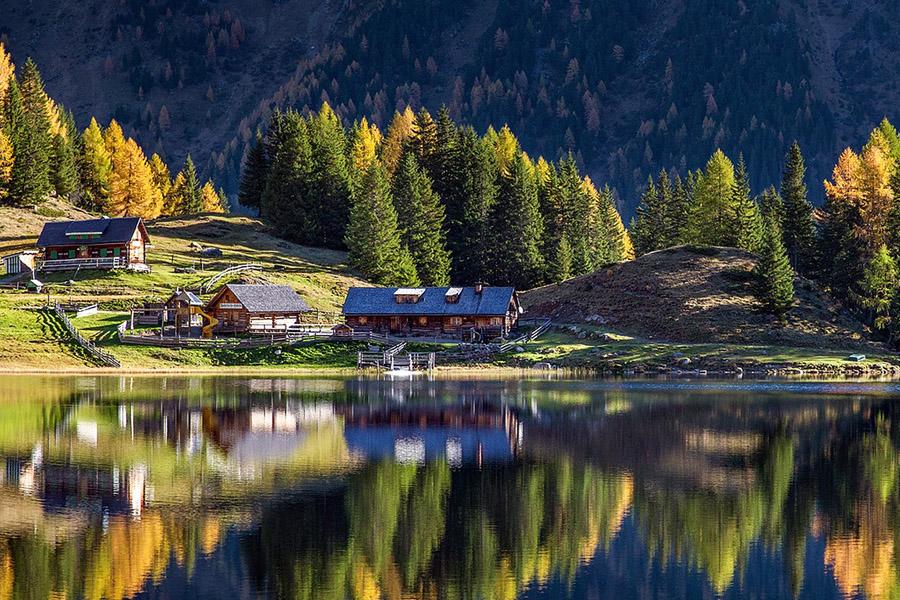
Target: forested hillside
{"x": 627, "y": 87}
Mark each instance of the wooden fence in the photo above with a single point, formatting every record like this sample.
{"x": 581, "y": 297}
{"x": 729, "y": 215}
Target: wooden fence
{"x": 529, "y": 337}
{"x": 212, "y": 281}
{"x": 96, "y": 353}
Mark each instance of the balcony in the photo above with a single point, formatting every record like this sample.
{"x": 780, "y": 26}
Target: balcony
{"x": 72, "y": 264}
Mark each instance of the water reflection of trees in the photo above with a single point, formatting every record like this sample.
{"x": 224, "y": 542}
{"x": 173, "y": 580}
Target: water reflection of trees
{"x": 400, "y": 531}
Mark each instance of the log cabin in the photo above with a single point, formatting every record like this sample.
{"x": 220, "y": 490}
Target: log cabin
{"x": 477, "y": 312}
{"x": 117, "y": 243}
{"x": 255, "y": 308}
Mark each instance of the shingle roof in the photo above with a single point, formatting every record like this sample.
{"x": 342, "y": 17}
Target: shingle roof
{"x": 112, "y": 231}
{"x": 268, "y": 298}
{"x": 492, "y": 301}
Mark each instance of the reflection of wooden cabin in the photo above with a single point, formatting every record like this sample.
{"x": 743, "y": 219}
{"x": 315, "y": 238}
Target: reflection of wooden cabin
{"x": 93, "y": 244}
{"x": 242, "y": 308}
{"x": 436, "y": 311}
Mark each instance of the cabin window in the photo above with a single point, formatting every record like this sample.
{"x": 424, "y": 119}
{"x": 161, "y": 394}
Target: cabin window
{"x": 496, "y": 321}
{"x": 423, "y": 320}
{"x": 102, "y": 252}
{"x": 117, "y": 252}
{"x": 71, "y": 254}
{"x": 456, "y": 320}
{"x": 363, "y": 320}
{"x": 54, "y": 255}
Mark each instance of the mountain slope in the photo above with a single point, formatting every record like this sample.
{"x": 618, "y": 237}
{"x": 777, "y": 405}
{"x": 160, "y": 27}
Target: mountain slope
{"x": 628, "y": 87}
{"x": 702, "y": 295}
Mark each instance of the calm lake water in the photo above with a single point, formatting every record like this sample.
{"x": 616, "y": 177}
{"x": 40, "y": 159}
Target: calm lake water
{"x": 192, "y": 487}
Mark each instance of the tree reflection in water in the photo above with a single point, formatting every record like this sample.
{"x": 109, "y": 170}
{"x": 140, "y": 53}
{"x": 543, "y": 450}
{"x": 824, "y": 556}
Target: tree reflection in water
{"x": 458, "y": 490}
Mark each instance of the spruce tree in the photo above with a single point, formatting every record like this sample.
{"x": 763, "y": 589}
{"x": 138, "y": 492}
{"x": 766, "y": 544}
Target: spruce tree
{"x": 373, "y": 236}
{"x": 647, "y": 226}
{"x": 190, "y": 202}
{"x": 748, "y": 234}
{"x": 330, "y": 176}
{"x": 518, "y": 229}
{"x": 424, "y": 141}
{"x": 253, "y": 175}
{"x": 680, "y": 213}
{"x": 797, "y": 223}
{"x": 64, "y": 174}
{"x": 712, "y": 215}
{"x": 32, "y": 183}
{"x": 774, "y": 275}
{"x": 471, "y": 244}
{"x": 289, "y": 200}
{"x": 94, "y": 168}
{"x": 224, "y": 201}
{"x": 445, "y": 168}
{"x": 421, "y": 221}
{"x": 770, "y": 205}
{"x": 560, "y": 267}
{"x": 162, "y": 180}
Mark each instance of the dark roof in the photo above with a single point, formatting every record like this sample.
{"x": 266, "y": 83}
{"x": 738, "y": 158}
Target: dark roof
{"x": 492, "y": 301}
{"x": 267, "y": 298}
{"x": 112, "y": 231}
{"x": 190, "y": 298}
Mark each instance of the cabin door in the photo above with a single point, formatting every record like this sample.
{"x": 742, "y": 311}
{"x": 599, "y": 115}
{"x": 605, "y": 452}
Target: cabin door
{"x": 398, "y": 323}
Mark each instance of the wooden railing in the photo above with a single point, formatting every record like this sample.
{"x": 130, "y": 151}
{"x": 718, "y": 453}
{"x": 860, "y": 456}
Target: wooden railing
{"x": 96, "y": 353}
{"x": 71, "y": 264}
{"x": 529, "y": 337}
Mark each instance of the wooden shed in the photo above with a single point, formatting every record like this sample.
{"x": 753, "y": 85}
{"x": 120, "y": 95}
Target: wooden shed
{"x": 488, "y": 312}
{"x": 242, "y": 308}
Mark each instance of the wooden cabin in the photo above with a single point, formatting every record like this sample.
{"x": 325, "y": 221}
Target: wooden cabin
{"x": 255, "y": 308}
{"x": 21, "y": 263}
{"x": 184, "y": 310}
{"x": 479, "y": 312}
{"x": 118, "y": 243}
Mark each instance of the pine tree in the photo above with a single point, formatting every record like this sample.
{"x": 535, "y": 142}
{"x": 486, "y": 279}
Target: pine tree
{"x": 770, "y": 205}
{"x": 681, "y": 210}
{"x": 612, "y": 243}
{"x": 224, "y": 202}
{"x": 797, "y": 224}
{"x": 254, "y": 174}
{"x": 775, "y": 277}
{"x": 445, "y": 168}
{"x": 424, "y": 141}
{"x": 94, "y": 168}
{"x": 6, "y": 164}
{"x": 210, "y": 198}
{"x": 190, "y": 202}
{"x": 373, "y": 237}
{"x": 365, "y": 141}
{"x": 132, "y": 192}
{"x": 748, "y": 234}
{"x": 172, "y": 200}
{"x": 518, "y": 229}
{"x": 64, "y": 174}
{"x": 420, "y": 216}
{"x": 28, "y": 129}
{"x": 647, "y": 227}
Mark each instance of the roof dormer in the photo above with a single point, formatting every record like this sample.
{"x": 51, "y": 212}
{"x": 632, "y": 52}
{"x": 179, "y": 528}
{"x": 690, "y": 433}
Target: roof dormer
{"x": 451, "y": 296}
{"x": 408, "y": 295}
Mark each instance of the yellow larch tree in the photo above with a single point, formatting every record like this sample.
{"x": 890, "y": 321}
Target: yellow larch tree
{"x": 114, "y": 139}
{"x": 7, "y": 70}
{"x": 365, "y": 144}
{"x": 6, "y": 164}
{"x": 211, "y": 200}
{"x": 162, "y": 180}
{"x": 876, "y": 196}
{"x": 398, "y": 132}
{"x": 132, "y": 191}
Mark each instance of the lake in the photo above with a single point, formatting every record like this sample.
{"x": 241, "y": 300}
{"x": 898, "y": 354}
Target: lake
{"x": 206, "y": 487}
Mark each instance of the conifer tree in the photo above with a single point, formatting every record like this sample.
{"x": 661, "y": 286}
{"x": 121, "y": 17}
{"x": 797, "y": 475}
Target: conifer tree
{"x": 878, "y": 287}
{"x": 748, "y": 234}
{"x": 712, "y": 215}
{"x": 64, "y": 174}
{"x": 681, "y": 210}
{"x": 94, "y": 168}
{"x": 774, "y": 275}
{"x": 172, "y": 200}
{"x": 224, "y": 202}
{"x": 894, "y": 216}
{"x": 420, "y": 216}
{"x": 190, "y": 202}
{"x": 210, "y": 199}
{"x": 398, "y": 132}
{"x": 770, "y": 205}
{"x": 518, "y": 229}
{"x": 7, "y": 71}
{"x": 6, "y": 166}
{"x": 28, "y": 129}
{"x": 373, "y": 237}
{"x": 471, "y": 244}
{"x": 254, "y": 175}
{"x": 132, "y": 192}
{"x": 648, "y": 227}
{"x": 162, "y": 180}
{"x": 560, "y": 267}
{"x": 289, "y": 198}
{"x": 330, "y": 176}
{"x": 114, "y": 138}
{"x": 365, "y": 140}
{"x": 797, "y": 223}
{"x": 445, "y": 168}
{"x": 424, "y": 141}
{"x": 613, "y": 243}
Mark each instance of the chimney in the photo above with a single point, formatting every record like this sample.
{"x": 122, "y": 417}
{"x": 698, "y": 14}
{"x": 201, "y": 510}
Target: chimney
{"x": 479, "y": 287}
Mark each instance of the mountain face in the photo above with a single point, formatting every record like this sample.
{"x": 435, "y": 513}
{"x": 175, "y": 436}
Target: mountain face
{"x": 628, "y": 87}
